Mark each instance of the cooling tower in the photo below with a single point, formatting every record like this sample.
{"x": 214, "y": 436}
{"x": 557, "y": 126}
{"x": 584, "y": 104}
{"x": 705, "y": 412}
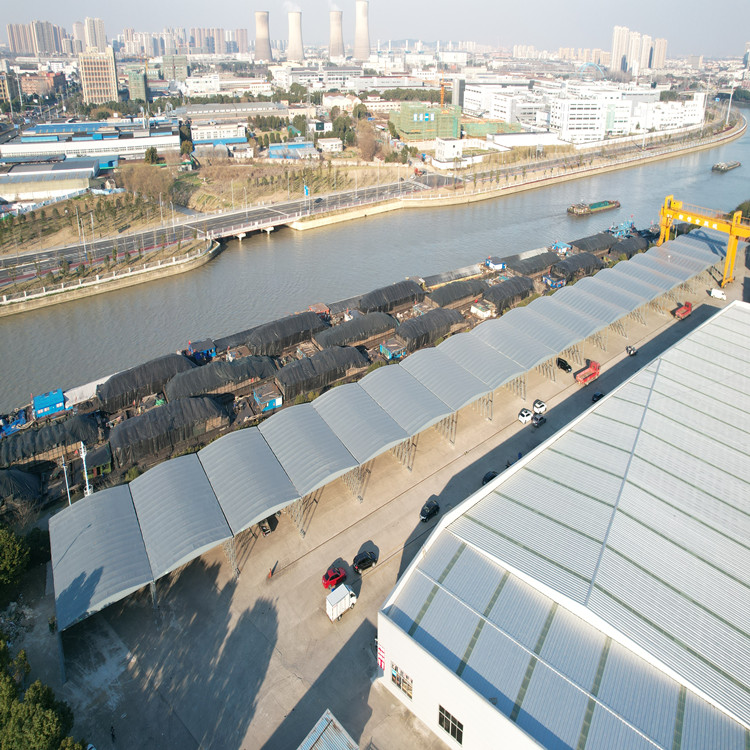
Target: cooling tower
{"x": 361, "y": 31}
{"x": 336, "y": 45}
{"x": 294, "y": 51}
{"x": 262, "y": 37}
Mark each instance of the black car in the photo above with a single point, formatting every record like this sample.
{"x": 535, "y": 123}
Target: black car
{"x": 597, "y": 396}
{"x": 364, "y": 560}
{"x": 429, "y": 509}
{"x": 563, "y": 365}
{"x": 538, "y": 420}
{"x": 489, "y": 476}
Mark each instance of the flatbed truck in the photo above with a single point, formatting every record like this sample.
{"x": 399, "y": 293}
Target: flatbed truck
{"x": 584, "y": 377}
{"x": 683, "y": 311}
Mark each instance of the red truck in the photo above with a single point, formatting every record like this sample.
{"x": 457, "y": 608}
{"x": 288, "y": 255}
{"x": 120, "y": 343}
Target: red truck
{"x": 682, "y": 312}
{"x": 584, "y": 377}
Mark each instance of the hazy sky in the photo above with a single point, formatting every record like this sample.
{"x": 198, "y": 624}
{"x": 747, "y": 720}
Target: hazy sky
{"x": 716, "y": 29}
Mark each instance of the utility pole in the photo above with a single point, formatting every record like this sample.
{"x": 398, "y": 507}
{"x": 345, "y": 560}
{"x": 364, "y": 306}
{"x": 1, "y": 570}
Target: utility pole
{"x": 87, "y": 490}
{"x": 65, "y": 472}
{"x": 729, "y": 107}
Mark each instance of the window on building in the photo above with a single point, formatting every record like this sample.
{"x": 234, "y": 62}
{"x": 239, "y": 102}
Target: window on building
{"x": 451, "y": 725}
{"x": 400, "y": 680}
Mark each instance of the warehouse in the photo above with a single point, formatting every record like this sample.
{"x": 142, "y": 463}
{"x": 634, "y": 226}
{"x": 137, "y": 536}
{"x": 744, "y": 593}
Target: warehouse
{"x": 595, "y": 594}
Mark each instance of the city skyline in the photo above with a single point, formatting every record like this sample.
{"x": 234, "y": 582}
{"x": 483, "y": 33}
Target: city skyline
{"x": 566, "y": 25}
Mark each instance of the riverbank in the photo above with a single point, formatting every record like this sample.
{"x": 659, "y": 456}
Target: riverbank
{"x": 532, "y": 181}
{"x": 109, "y": 281}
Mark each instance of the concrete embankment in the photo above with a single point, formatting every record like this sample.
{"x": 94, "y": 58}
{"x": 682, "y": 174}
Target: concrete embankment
{"x": 119, "y": 280}
{"x": 530, "y": 183}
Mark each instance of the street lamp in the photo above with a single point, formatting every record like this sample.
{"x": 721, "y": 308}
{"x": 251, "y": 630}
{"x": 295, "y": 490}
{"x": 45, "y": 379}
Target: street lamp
{"x": 245, "y": 189}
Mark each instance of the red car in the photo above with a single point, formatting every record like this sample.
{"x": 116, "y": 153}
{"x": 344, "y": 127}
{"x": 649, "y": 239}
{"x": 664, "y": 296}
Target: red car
{"x": 333, "y": 577}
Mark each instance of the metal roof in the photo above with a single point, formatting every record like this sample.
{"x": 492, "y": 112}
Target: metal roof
{"x": 484, "y": 362}
{"x": 506, "y": 338}
{"x": 179, "y": 515}
{"x": 359, "y": 422}
{"x": 249, "y": 482}
{"x": 98, "y": 555}
{"x": 306, "y": 447}
{"x": 328, "y": 734}
{"x": 637, "y": 512}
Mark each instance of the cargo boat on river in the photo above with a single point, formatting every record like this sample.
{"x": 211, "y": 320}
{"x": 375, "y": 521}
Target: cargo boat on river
{"x": 586, "y": 209}
{"x": 725, "y": 166}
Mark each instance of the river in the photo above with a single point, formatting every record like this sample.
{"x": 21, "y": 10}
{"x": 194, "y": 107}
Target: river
{"x": 266, "y": 277}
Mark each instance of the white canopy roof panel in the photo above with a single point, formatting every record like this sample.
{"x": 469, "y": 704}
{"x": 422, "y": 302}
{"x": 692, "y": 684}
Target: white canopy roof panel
{"x": 492, "y": 367}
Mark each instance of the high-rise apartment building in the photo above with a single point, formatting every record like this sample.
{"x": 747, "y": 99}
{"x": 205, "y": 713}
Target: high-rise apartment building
{"x": 174, "y": 67}
{"x": 242, "y": 45}
{"x": 20, "y": 39}
{"x": 659, "y": 58}
{"x": 79, "y": 32}
{"x": 620, "y": 39}
{"x": 95, "y": 36}
{"x": 633, "y": 52}
{"x": 98, "y": 76}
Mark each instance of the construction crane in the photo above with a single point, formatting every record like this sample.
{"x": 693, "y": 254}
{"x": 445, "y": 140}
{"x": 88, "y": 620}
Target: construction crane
{"x": 735, "y": 226}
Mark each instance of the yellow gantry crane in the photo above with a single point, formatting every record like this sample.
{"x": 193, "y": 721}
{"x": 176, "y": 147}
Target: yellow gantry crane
{"x": 735, "y": 226}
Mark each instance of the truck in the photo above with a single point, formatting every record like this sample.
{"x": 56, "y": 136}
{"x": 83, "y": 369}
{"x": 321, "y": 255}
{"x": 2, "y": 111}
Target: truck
{"x": 683, "y": 311}
{"x": 591, "y": 373}
{"x": 339, "y": 600}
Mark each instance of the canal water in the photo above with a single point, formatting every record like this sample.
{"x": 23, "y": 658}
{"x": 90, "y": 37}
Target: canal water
{"x": 266, "y": 277}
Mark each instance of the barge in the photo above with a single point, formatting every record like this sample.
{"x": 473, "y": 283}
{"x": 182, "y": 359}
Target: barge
{"x": 725, "y": 166}
{"x": 586, "y": 209}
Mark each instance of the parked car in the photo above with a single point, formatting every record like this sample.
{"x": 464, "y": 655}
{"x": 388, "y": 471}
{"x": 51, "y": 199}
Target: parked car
{"x": 631, "y": 351}
{"x": 333, "y": 577}
{"x": 489, "y": 476}
{"x": 539, "y": 406}
{"x": 524, "y": 416}
{"x": 364, "y": 560}
{"x": 597, "y": 396}
{"x": 429, "y": 509}
{"x": 563, "y": 365}
{"x": 538, "y": 420}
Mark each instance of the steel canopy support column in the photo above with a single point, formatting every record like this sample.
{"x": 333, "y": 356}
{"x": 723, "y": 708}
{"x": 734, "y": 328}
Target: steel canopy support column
{"x": 484, "y": 405}
{"x": 447, "y": 427}
{"x": 230, "y": 552}
{"x": 297, "y": 512}
{"x": 355, "y": 480}
{"x": 154, "y": 601}
{"x": 405, "y": 452}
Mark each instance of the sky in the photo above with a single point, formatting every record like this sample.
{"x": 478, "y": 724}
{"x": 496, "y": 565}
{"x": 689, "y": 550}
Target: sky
{"x": 718, "y": 29}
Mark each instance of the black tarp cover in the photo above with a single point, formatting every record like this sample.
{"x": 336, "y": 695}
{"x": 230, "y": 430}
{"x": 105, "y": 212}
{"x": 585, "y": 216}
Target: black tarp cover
{"x": 388, "y": 298}
{"x": 350, "y": 303}
{"x": 360, "y": 328}
{"x": 18, "y": 486}
{"x": 32, "y": 442}
{"x": 272, "y": 338}
{"x": 132, "y": 385}
{"x": 163, "y": 427}
{"x": 318, "y": 371}
{"x": 629, "y": 246}
{"x": 594, "y": 243}
{"x": 576, "y": 265}
{"x": 425, "y": 330}
{"x": 458, "y": 290}
{"x": 507, "y": 293}
{"x": 218, "y": 374}
{"x": 233, "y": 340}
{"x": 531, "y": 265}
{"x": 447, "y": 276}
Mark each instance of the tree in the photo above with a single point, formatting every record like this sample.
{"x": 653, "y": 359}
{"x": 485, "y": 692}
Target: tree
{"x": 152, "y": 157}
{"x": 14, "y": 557}
{"x": 186, "y": 147}
{"x": 392, "y": 130}
{"x": 368, "y": 146}
{"x": 359, "y": 112}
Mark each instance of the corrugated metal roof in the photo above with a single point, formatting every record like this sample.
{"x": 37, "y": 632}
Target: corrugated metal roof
{"x": 552, "y": 310}
{"x": 249, "y": 482}
{"x": 98, "y": 555}
{"x": 328, "y": 734}
{"x": 489, "y": 365}
{"x": 553, "y": 334}
{"x": 506, "y": 338}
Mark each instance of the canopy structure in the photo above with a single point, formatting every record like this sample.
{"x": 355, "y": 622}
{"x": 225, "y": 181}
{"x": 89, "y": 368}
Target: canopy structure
{"x": 492, "y": 367}
{"x": 503, "y": 335}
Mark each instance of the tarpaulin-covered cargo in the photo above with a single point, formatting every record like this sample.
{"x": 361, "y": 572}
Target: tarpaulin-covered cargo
{"x": 579, "y": 264}
{"x": 457, "y": 291}
{"x": 233, "y": 340}
{"x": 532, "y": 264}
{"x": 219, "y": 377}
{"x": 594, "y": 243}
{"x": 318, "y": 371}
{"x": 388, "y": 298}
{"x": 122, "y": 389}
{"x": 350, "y": 303}
{"x": 446, "y": 277}
{"x": 49, "y": 440}
{"x": 18, "y": 486}
{"x": 272, "y": 338}
{"x": 165, "y": 427}
{"x": 361, "y": 328}
{"x": 426, "y": 329}
{"x": 629, "y": 247}
{"x": 508, "y": 293}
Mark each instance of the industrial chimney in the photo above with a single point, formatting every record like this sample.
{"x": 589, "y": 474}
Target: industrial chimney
{"x": 294, "y": 51}
{"x": 336, "y": 46}
{"x": 361, "y": 31}
{"x": 262, "y": 37}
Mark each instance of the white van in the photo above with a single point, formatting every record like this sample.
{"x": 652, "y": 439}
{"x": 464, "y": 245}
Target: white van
{"x": 718, "y": 294}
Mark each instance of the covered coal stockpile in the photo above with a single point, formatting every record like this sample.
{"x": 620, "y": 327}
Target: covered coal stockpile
{"x": 629, "y": 246}
{"x": 233, "y": 340}
{"x": 165, "y": 427}
{"x": 580, "y": 264}
{"x": 272, "y": 338}
{"x": 38, "y": 443}
{"x": 18, "y": 486}
{"x": 596, "y": 243}
{"x": 425, "y": 330}
{"x": 458, "y": 290}
{"x": 316, "y": 372}
{"x": 505, "y": 294}
{"x": 388, "y": 298}
{"x": 359, "y": 328}
{"x": 122, "y": 389}
{"x": 219, "y": 377}
{"x": 532, "y": 264}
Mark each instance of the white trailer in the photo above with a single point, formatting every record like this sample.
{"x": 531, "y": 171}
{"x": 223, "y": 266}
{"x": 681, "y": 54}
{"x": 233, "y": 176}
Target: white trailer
{"x": 339, "y": 600}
